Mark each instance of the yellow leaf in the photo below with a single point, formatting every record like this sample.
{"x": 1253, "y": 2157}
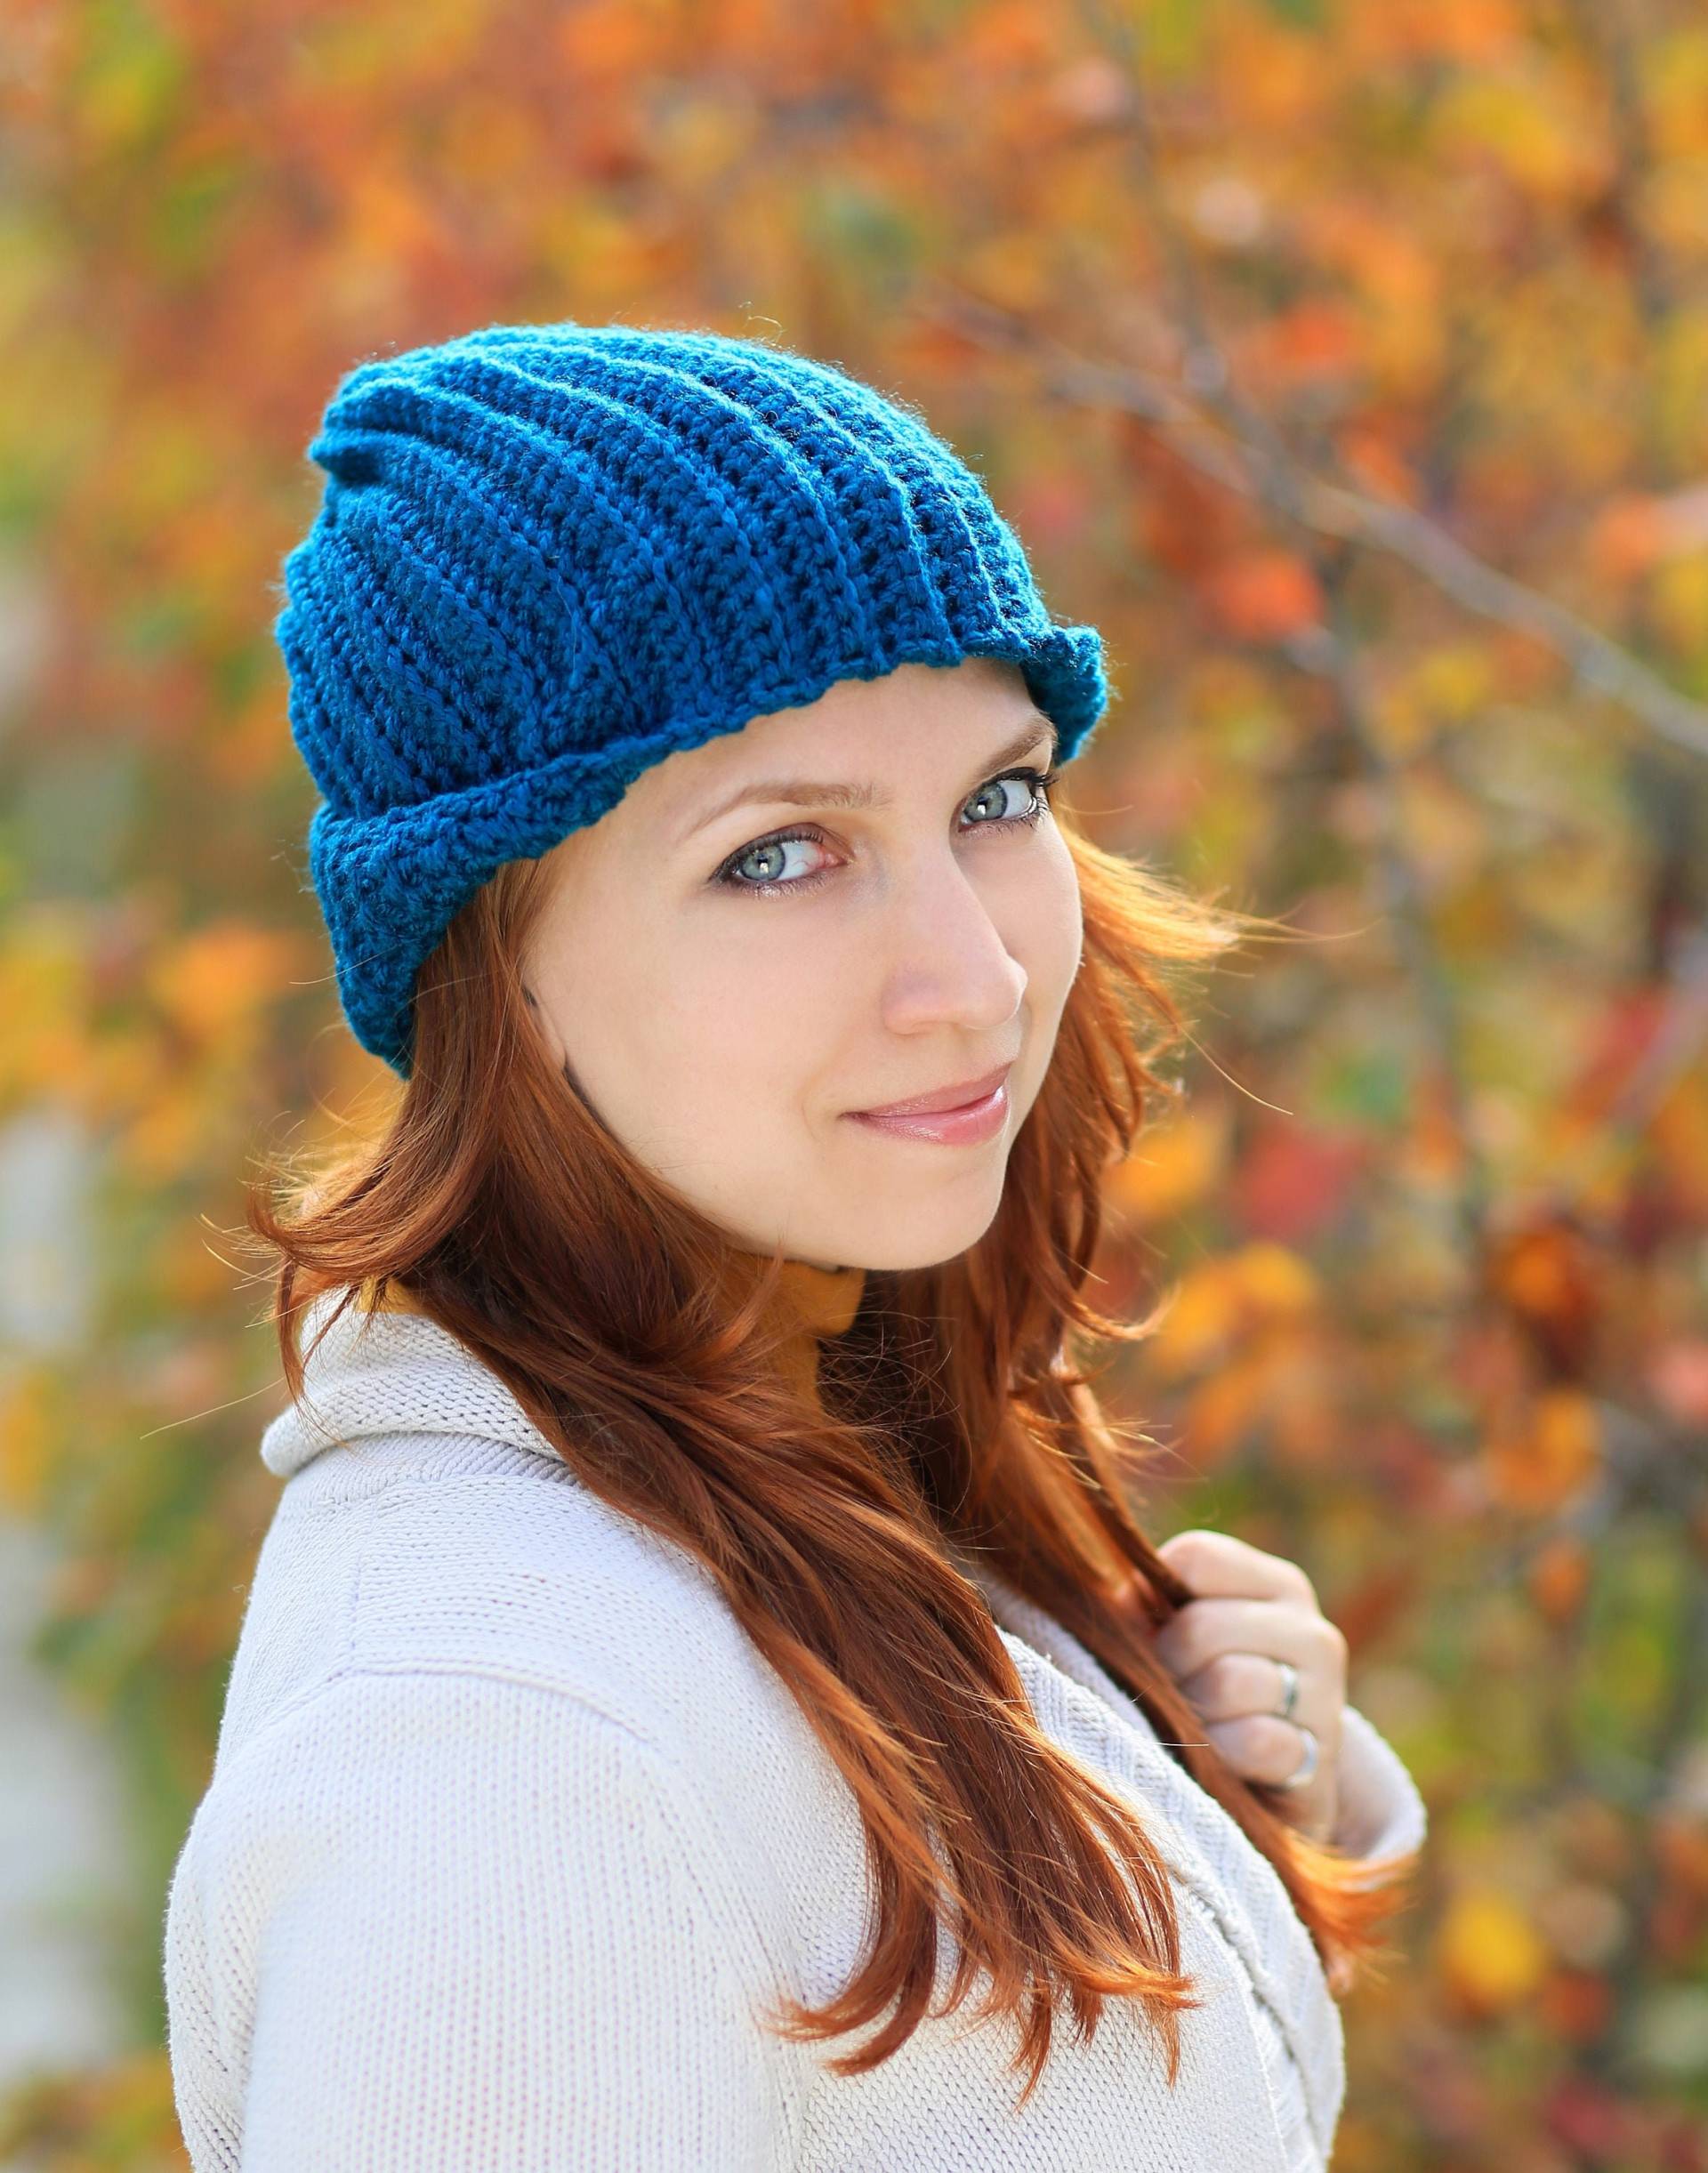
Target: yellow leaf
{"x": 1677, "y": 598}
{"x": 217, "y": 977}
{"x": 1274, "y": 1281}
{"x": 24, "y": 1440}
{"x": 1171, "y": 1168}
{"x": 1203, "y": 1313}
{"x": 1487, "y": 1950}
{"x": 1217, "y": 1301}
{"x": 1529, "y": 124}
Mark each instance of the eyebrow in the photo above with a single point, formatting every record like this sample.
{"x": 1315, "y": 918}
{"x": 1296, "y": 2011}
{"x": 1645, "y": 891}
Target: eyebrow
{"x": 804, "y": 792}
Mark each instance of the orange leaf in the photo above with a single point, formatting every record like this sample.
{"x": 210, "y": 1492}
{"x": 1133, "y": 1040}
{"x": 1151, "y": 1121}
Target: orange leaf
{"x": 1543, "y": 1463}
{"x": 1264, "y": 595}
{"x": 1560, "y": 1577}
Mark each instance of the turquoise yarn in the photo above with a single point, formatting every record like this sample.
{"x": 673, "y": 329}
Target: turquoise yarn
{"x": 548, "y": 555}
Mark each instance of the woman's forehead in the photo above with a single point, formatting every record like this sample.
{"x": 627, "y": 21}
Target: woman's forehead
{"x": 835, "y": 731}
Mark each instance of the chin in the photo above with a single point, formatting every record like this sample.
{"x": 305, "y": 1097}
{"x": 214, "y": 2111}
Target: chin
{"x": 910, "y": 1238}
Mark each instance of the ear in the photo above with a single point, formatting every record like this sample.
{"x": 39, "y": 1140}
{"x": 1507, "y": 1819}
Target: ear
{"x": 544, "y": 1026}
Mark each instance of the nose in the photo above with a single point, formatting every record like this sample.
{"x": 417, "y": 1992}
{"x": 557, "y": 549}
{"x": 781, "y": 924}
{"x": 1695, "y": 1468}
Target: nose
{"x": 948, "y": 964}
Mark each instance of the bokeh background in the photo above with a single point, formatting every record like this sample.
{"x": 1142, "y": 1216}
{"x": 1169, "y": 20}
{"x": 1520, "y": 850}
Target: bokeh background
{"x": 1347, "y": 362}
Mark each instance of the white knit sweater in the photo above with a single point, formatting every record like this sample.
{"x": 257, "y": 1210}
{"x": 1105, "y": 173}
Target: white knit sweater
{"x": 511, "y": 1830}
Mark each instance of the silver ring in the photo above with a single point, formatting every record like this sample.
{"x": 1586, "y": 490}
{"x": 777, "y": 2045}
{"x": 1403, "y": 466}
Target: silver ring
{"x": 1289, "y": 1688}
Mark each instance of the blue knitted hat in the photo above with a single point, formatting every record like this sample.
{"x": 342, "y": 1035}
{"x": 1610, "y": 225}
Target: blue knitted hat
{"x": 550, "y": 555}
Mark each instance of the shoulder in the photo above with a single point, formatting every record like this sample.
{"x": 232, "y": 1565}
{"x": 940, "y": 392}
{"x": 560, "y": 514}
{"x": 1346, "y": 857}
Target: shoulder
{"x": 522, "y": 1683}
{"x": 540, "y": 1581}
{"x": 501, "y": 1568}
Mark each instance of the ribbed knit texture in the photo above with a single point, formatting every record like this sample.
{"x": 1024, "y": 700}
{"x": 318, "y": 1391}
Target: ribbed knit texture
{"x": 510, "y": 1834}
{"x": 548, "y": 555}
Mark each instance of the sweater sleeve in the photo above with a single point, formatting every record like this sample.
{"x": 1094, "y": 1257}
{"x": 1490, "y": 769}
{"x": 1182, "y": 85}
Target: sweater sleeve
{"x": 1382, "y": 1811}
{"x": 437, "y": 1921}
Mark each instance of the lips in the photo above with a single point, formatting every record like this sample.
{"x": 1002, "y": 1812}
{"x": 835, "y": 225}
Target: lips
{"x": 955, "y": 1097}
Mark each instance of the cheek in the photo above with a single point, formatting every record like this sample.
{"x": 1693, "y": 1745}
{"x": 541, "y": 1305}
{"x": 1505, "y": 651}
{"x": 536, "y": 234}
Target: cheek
{"x": 1049, "y": 932}
{"x": 752, "y": 996}
{"x": 727, "y": 1021}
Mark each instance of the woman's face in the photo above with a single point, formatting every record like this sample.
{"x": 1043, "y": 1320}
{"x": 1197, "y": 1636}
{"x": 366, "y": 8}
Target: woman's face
{"x": 728, "y": 984}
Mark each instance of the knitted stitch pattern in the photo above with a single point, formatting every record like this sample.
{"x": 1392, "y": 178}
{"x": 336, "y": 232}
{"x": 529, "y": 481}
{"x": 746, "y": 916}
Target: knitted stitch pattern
{"x": 548, "y": 555}
{"x": 511, "y": 1833}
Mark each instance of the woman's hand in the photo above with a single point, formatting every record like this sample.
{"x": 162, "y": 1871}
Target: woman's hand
{"x": 1221, "y": 1648}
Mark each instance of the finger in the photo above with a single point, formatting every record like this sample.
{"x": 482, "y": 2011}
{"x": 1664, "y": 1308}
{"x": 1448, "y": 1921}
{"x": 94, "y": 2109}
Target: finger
{"x": 1318, "y": 1707}
{"x": 1217, "y": 1565}
{"x": 1260, "y": 1747}
{"x": 1205, "y": 1629}
{"x": 1243, "y": 1683}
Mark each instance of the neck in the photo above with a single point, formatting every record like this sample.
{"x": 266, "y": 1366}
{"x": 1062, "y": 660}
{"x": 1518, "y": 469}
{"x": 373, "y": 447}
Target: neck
{"x": 817, "y": 1301}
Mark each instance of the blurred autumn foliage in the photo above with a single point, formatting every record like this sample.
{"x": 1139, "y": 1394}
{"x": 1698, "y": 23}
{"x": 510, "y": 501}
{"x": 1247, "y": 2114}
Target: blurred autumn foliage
{"x": 1348, "y": 364}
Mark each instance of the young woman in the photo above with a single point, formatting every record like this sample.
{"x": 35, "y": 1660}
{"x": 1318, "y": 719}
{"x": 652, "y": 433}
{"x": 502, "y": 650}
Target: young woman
{"x": 706, "y": 1700}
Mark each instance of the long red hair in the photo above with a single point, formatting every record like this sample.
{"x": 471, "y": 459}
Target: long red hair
{"x": 495, "y": 1201}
